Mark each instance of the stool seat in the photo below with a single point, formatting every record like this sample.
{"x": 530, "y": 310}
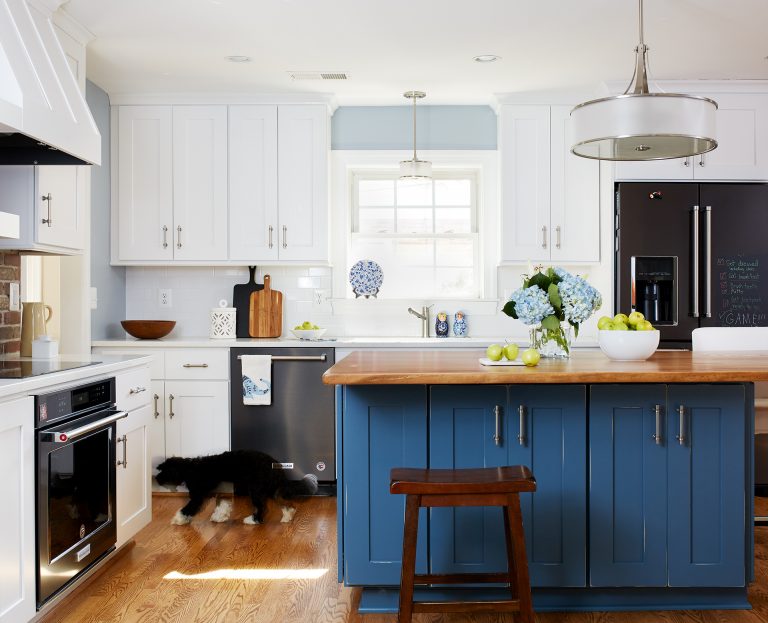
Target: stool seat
{"x": 508, "y": 479}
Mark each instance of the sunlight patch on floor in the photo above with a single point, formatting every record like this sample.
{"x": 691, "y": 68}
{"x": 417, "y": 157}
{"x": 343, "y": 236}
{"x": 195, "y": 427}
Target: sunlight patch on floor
{"x": 250, "y": 574}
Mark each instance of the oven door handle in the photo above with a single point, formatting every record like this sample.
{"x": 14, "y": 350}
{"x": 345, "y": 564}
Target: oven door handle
{"x": 63, "y": 436}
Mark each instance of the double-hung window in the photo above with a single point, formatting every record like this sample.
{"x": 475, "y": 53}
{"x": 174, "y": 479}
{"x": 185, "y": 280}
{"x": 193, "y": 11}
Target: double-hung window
{"x": 423, "y": 233}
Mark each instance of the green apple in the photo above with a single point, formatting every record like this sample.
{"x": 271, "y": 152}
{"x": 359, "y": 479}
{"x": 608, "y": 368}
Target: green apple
{"x": 531, "y": 357}
{"x": 298, "y": 327}
{"x": 315, "y": 327}
{"x": 603, "y": 322}
{"x": 306, "y": 325}
{"x": 511, "y": 351}
{"x": 494, "y": 352}
{"x": 645, "y": 326}
{"x": 621, "y": 318}
{"x": 608, "y": 326}
{"x": 620, "y": 326}
{"x": 635, "y": 318}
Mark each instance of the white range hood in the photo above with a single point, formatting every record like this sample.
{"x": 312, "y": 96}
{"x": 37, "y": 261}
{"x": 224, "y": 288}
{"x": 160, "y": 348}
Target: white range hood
{"x": 44, "y": 118}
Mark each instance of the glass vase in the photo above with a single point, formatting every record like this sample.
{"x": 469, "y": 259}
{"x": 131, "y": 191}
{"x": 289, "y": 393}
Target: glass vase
{"x": 553, "y": 343}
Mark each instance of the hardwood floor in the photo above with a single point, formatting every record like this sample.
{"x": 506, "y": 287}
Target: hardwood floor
{"x": 147, "y": 585}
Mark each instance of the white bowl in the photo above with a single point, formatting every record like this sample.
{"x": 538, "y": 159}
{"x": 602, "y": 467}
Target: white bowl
{"x": 628, "y": 345}
{"x": 308, "y": 334}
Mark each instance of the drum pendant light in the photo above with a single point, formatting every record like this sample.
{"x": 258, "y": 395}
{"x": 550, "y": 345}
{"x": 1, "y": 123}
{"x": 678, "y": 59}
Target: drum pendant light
{"x": 415, "y": 169}
{"x": 640, "y": 125}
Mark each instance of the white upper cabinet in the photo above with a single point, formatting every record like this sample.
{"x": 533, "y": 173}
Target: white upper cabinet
{"x": 550, "y": 198}
{"x": 253, "y": 223}
{"x": 302, "y": 152}
{"x": 144, "y": 220}
{"x": 741, "y": 154}
{"x": 200, "y": 182}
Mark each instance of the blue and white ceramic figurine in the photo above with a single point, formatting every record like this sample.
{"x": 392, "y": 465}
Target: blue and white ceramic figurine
{"x": 441, "y": 325}
{"x": 459, "y": 324}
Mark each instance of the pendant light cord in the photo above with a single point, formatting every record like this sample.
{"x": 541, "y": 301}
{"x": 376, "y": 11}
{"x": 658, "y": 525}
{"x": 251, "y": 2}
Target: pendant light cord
{"x": 414, "y": 127}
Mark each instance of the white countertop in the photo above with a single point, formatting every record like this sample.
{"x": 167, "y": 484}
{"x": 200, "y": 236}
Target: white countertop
{"x": 108, "y": 365}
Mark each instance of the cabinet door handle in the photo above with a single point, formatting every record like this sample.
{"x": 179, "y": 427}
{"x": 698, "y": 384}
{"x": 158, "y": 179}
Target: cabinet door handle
{"x": 49, "y": 198}
{"x": 497, "y": 434}
{"x": 195, "y": 365}
{"x": 686, "y": 162}
{"x": 170, "y": 406}
{"x": 285, "y": 236}
{"x": 701, "y": 160}
{"x": 165, "y": 236}
{"x": 544, "y": 237}
{"x": 658, "y": 437}
{"x": 557, "y": 237}
{"x": 124, "y": 441}
{"x": 136, "y": 390}
{"x": 270, "y": 236}
{"x": 521, "y": 432}
{"x": 157, "y": 411}
{"x": 178, "y": 237}
{"x": 681, "y": 432}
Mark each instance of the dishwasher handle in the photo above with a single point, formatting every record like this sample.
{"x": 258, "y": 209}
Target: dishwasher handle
{"x": 322, "y": 357}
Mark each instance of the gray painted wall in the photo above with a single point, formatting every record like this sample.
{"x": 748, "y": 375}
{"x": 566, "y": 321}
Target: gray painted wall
{"x": 391, "y": 127}
{"x": 109, "y": 281}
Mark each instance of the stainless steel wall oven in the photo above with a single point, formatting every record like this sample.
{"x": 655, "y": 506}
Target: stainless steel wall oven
{"x": 75, "y": 501}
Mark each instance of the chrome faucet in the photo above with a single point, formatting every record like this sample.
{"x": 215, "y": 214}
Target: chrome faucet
{"x": 424, "y": 317}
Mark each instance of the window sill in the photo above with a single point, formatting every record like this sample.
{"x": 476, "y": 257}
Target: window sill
{"x": 387, "y": 307}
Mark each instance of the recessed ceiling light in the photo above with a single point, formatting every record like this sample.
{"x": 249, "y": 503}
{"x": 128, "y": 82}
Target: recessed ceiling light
{"x": 238, "y": 59}
{"x": 486, "y": 58}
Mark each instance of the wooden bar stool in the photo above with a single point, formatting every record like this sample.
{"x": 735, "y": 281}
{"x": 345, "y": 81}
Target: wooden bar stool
{"x": 491, "y": 486}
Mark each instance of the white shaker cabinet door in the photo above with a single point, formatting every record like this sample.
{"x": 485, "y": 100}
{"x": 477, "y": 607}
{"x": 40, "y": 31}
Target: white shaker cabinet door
{"x": 575, "y": 196}
{"x": 302, "y": 152}
{"x": 17, "y": 521}
{"x": 145, "y": 183}
{"x": 253, "y": 222}
{"x": 200, "y": 226}
{"x": 60, "y": 213}
{"x": 134, "y": 474}
{"x": 524, "y": 143}
{"x": 197, "y": 420}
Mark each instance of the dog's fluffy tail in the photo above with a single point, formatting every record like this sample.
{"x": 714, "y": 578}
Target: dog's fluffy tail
{"x": 294, "y": 488}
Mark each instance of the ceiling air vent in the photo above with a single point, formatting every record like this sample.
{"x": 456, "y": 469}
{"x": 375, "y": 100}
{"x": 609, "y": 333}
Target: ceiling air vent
{"x": 318, "y": 75}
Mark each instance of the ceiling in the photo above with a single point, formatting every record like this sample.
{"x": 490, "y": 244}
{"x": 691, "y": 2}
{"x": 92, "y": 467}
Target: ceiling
{"x": 390, "y": 46}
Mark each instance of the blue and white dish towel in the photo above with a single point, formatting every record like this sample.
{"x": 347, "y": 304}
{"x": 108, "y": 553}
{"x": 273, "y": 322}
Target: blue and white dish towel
{"x": 257, "y": 379}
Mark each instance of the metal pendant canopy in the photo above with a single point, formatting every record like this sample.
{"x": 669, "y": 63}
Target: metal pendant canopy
{"x": 639, "y": 125}
{"x": 415, "y": 169}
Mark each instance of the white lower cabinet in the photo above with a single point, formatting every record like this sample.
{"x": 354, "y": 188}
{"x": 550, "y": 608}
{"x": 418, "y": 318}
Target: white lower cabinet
{"x": 17, "y": 521}
{"x": 197, "y": 420}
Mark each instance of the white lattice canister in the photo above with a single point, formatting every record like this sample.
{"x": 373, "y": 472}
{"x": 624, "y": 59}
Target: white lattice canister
{"x": 223, "y": 321}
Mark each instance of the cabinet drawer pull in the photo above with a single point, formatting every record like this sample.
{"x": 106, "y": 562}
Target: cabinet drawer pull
{"x": 681, "y": 432}
{"x": 285, "y": 237}
{"x": 657, "y": 436}
{"x": 195, "y": 365}
{"x": 544, "y": 237}
{"x": 497, "y": 434}
{"x": 170, "y": 406}
{"x": 157, "y": 412}
{"x": 270, "y": 236}
{"x": 557, "y": 237}
{"x": 124, "y": 441}
{"x": 178, "y": 237}
{"x": 701, "y": 160}
{"x": 48, "y": 221}
{"x": 136, "y": 390}
{"x": 521, "y": 432}
{"x": 686, "y": 162}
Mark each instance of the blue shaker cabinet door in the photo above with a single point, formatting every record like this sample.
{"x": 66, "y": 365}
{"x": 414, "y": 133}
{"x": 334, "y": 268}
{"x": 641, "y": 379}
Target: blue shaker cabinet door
{"x": 706, "y": 485}
{"x": 551, "y": 441}
{"x": 462, "y": 424}
{"x": 628, "y": 485}
{"x": 384, "y": 427}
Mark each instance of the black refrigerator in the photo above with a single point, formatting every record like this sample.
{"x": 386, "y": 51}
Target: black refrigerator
{"x": 692, "y": 255}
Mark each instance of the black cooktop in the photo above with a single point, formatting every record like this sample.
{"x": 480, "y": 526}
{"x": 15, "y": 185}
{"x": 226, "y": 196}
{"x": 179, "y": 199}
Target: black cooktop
{"x": 25, "y": 367}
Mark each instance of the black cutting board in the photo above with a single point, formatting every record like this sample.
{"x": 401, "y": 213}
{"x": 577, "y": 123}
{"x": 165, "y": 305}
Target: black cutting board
{"x": 241, "y": 301}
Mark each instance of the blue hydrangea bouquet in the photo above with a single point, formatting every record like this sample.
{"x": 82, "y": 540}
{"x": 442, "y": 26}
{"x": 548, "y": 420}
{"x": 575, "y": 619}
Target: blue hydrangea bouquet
{"x": 547, "y": 301}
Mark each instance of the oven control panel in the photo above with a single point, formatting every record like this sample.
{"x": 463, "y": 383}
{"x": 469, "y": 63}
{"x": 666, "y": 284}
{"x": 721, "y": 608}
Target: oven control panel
{"x": 68, "y": 402}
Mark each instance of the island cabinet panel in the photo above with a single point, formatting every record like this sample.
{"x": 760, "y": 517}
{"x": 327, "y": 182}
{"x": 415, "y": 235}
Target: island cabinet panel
{"x": 628, "y": 486}
{"x": 543, "y": 427}
{"x": 386, "y": 427}
{"x": 706, "y": 480}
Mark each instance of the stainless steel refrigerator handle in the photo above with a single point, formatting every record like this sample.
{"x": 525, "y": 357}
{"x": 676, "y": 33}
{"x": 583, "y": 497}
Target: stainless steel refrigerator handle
{"x": 49, "y": 199}
{"x": 708, "y": 262}
{"x": 695, "y": 243}
{"x": 681, "y": 432}
{"x": 60, "y": 436}
{"x": 497, "y": 433}
{"x": 521, "y": 432}
{"x": 544, "y": 237}
{"x": 124, "y": 441}
{"x": 322, "y": 357}
{"x": 658, "y": 437}
{"x": 157, "y": 413}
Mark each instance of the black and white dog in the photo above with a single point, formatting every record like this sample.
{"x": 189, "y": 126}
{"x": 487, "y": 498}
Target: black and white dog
{"x": 248, "y": 470}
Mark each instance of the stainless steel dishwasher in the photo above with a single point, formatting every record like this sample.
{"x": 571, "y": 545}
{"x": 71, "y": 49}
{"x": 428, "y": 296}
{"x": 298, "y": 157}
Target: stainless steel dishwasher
{"x": 297, "y": 429}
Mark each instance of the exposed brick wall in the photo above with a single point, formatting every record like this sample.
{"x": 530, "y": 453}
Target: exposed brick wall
{"x": 10, "y": 321}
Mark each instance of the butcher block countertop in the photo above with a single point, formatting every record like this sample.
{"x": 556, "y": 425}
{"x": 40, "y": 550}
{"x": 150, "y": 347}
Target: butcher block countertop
{"x": 422, "y": 367}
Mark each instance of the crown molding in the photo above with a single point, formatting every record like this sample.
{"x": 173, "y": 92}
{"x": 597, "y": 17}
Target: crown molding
{"x": 203, "y": 99}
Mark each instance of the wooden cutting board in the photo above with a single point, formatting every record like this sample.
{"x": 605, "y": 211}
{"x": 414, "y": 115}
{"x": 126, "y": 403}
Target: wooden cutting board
{"x": 266, "y": 311}
{"x": 241, "y": 301}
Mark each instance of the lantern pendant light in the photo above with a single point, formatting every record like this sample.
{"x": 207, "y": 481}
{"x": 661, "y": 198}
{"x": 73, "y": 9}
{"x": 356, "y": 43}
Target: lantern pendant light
{"x": 640, "y": 125}
{"x": 415, "y": 169}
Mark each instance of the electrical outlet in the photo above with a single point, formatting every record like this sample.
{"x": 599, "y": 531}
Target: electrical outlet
{"x": 165, "y": 299}
{"x": 320, "y": 296}
{"x": 14, "y": 304}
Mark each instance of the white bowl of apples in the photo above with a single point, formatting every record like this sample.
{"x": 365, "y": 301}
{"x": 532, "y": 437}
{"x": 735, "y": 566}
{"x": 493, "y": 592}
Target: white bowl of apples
{"x": 627, "y": 338}
{"x": 307, "y": 331}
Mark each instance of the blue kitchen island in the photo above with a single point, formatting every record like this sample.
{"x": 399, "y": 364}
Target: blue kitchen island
{"x": 644, "y": 473}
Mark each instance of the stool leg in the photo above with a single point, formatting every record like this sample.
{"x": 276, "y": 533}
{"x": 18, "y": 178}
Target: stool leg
{"x": 511, "y": 565}
{"x": 515, "y": 520}
{"x": 411, "y": 528}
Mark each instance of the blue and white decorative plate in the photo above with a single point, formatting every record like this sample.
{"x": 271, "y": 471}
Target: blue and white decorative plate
{"x": 366, "y": 278}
